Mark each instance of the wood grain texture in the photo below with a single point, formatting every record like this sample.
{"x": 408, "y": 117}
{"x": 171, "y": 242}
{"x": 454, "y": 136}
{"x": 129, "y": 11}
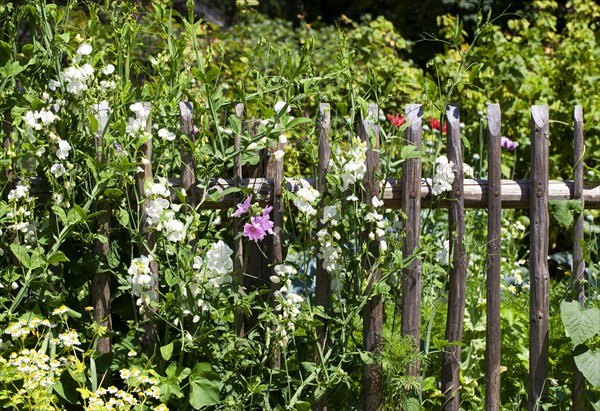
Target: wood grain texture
{"x": 538, "y": 257}
{"x": 238, "y": 241}
{"x": 494, "y": 254}
{"x": 579, "y": 398}
{"x": 323, "y": 279}
{"x": 373, "y": 311}
{"x": 150, "y": 336}
{"x": 411, "y": 207}
{"x": 188, "y": 165}
{"x": 458, "y": 267}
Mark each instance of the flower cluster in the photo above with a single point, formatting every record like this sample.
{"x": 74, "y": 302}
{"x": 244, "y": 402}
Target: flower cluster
{"x": 288, "y": 302}
{"x": 24, "y": 328}
{"x": 260, "y": 225}
{"x": 141, "y": 391}
{"x": 137, "y": 125}
{"x": 157, "y": 210}
{"x": 306, "y": 197}
{"x": 35, "y": 368}
{"x": 142, "y": 279}
{"x": 216, "y": 269}
{"x": 353, "y": 164}
{"x": 21, "y": 205}
{"x": 444, "y": 175}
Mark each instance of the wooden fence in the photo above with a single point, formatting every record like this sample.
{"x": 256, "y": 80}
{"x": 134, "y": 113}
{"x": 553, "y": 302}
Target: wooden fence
{"x": 411, "y": 193}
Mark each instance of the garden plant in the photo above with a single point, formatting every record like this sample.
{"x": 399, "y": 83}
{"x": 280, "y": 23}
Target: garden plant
{"x": 123, "y": 289}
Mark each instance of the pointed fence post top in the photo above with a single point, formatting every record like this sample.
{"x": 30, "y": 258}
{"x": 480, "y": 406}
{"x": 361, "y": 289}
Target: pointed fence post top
{"x": 187, "y": 123}
{"x": 414, "y": 115}
{"x": 578, "y": 114}
{"x": 453, "y": 116}
{"x": 493, "y": 118}
{"x": 540, "y": 116}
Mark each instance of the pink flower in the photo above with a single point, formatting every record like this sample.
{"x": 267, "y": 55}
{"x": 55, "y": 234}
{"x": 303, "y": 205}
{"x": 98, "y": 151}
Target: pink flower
{"x": 259, "y": 226}
{"x": 397, "y": 121}
{"x": 243, "y": 208}
{"x": 508, "y": 144}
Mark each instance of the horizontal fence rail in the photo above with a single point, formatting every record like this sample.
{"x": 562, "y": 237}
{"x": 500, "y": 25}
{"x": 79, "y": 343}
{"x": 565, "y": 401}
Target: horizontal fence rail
{"x": 515, "y": 193}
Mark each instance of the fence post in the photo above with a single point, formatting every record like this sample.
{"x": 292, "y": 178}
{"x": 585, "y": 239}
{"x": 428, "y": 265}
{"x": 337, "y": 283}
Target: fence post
{"x": 373, "y": 311}
{"x": 274, "y": 243}
{"x": 144, "y": 157}
{"x": 411, "y": 206}
{"x": 188, "y": 166}
{"x": 323, "y": 280}
{"x": 579, "y": 399}
{"x": 238, "y": 242}
{"x": 458, "y": 267}
{"x": 494, "y": 253}
{"x": 538, "y": 304}
{"x": 101, "y": 281}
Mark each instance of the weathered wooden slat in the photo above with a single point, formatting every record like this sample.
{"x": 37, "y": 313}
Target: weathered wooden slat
{"x": 494, "y": 253}
{"x": 323, "y": 279}
{"x": 144, "y": 156}
{"x": 238, "y": 241}
{"x": 458, "y": 267}
{"x": 373, "y": 311}
{"x": 188, "y": 165}
{"x": 538, "y": 258}
{"x": 515, "y": 193}
{"x": 100, "y": 288}
{"x": 579, "y": 399}
{"x": 411, "y": 206}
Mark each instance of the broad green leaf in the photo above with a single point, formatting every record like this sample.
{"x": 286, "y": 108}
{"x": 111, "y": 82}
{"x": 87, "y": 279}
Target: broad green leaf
{"x": 11, "y": 69}
{"x": 57, "y": 257}
{"x": 221, "y": 194}
{"x": 20, "y": 251}
{"x": 580, "y": 324}
{"x": 588, "y": 362}
{"x": 61, "y": 214}
{"x": 298, "y": 120}
{"x": 167, "y": 351}
{"x": 205, "y": 386}
{"x": 410, "y": 151}
{"x": 235, "y": 124}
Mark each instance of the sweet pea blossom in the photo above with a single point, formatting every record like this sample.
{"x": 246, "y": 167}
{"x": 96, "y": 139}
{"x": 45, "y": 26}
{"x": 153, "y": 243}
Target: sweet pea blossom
{"x": 166, "y": 134}
{"x": 306, "y": 197}
{"x": 63, "y": 149}
{"x": 444, "y": 176}
{"x": 84, "y": 50}
{"x": 243, "y": 207}
{"x": 280, "y": 105}
{"x": 259, "y": 226}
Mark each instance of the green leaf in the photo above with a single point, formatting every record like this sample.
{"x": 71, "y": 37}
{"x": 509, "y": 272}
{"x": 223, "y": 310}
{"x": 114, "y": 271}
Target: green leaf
{"x": 235, "y": 124}
{"x": 21, "y": 253}
{"x": 11, "y": 69}
{"x": 205, "y": 386}
{"x": 302, "y": 406}
{"x": 410, "y": 151}
{"x": 93, "y": 123}
{"x": 167, "y": 351}
{"x": 57, "y": 257}
{"x": 465, "y": 141}
{"x": 580, "y": 324}
{"x": 221, "y": 194}
{"x": 60, "y": 213}
{"x": 296, "y": 121}
{"x": 113, "y": 193}
{"x": 123, "y": 217}
{"x": 588, "y": 362}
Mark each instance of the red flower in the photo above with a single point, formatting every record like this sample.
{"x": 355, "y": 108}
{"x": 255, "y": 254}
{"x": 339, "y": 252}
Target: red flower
{"x": 435, "y": 124}
{"x": 397, "y": 121}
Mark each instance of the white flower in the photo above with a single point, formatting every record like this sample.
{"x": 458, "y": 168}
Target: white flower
{"x": 331, "y": 213}
{"x": 443, "y": 254}
{"x": 468, "y": 170}
{"x": 218, "y": 266}
{"x": 444, "y": 176}
{"x": 46, "y": 116}
{"x": 282, "y": 138}
{"x": 278, "y": 154}
{"x": 58, "y": 170}
{"x": 306, "y": 197}
{"x": 142, "y": 279}
{"x": 376, "y": 202}
{"x": 280, "y": 105}
{"x": 353, "y": 166}
{"x": 154, "y": 210}
{"x": 174, "y": 230}
{"x": 161, "y": 188}
{"x": 63, "y": 149}
{"x": 166, "y": 134}
{"x": 84, "y": 50}
{"x": 108, "y": 70}
{"x": 53, "y": 85}
{"x": 20, "y": 191}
